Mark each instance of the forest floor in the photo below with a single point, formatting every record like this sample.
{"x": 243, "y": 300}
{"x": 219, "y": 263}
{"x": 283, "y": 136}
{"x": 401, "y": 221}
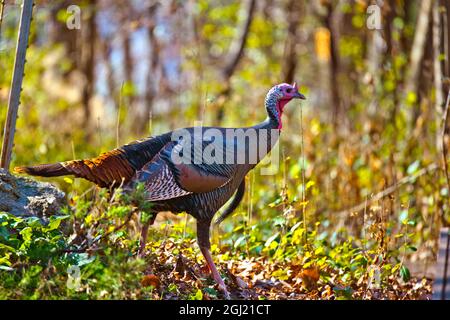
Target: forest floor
{"x": 260, "y": 278}
{"x": 272, "y": 259}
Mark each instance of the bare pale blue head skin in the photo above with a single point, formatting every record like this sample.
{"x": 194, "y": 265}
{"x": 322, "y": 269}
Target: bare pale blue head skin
{"x": 279, "y": 96}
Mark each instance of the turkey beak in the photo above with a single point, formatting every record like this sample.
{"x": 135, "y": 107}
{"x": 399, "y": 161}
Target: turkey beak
{"x": 297, "y": 94}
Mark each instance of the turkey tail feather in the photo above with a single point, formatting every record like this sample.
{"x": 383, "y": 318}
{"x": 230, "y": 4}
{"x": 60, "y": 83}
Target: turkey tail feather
{"x": 110, "y": 169}
{"x": 44, "y": 170}
{"x": 233, "y": 205}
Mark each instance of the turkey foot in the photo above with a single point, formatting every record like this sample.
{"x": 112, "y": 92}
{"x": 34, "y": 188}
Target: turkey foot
{"x": 215, "y": 273}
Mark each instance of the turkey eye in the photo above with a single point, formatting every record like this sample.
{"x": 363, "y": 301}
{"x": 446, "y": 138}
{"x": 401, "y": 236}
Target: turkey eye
{"x": 289, "y": 90}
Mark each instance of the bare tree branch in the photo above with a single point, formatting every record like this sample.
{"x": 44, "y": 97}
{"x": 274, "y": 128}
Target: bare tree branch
{"x": 443, "y": 146}
{"x": 237, "y": 47}
{"x": 2, "y": 9}
{"x": 389, "y": 190}
{"x": 235, "y": 55}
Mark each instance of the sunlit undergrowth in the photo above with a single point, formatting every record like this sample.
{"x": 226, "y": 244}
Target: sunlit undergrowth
{"x": 367, "y": 155}
{"x": 90, "y": 252}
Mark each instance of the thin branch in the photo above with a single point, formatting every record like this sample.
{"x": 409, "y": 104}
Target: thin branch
{"x": 89, "y": 245}
{"x": 118, "y": 116}
{"x": 444, "y": 147}
{"x": 303, "y": 176}
{"x": 389, "y": 190}
{"x": 2, "y": 10}
{"x": 437, "y": 65}
{"x": 237, "y": 48}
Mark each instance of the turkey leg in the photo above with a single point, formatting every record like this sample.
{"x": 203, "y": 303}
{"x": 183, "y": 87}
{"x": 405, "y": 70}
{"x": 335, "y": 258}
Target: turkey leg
{"x": 143, "y": 236}
{"x": 205, "y": 246}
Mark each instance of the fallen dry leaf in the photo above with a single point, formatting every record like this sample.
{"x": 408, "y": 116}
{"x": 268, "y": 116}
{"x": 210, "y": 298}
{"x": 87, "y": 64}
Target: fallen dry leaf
{"x": 150, "y": 280}
{"x": 310, "y": 276}
{"x": 238, "y": 282}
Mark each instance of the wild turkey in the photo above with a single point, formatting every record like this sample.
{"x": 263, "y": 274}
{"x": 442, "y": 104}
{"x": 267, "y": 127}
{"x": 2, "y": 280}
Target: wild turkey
{"x": 199, "y": 188}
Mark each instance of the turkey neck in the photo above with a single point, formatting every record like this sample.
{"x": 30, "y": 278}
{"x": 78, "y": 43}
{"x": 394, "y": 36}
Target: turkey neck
{"x": 269, "y": 130}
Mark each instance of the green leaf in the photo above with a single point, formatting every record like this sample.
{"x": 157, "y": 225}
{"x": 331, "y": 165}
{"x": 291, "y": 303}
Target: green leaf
{"x": 6, "y": 247}
{"x": 239, "y": 241}
{"x": 4, "y": 233}
{"x": 319, "y": 251}
{"x": 26, "y": 233}
{"x": 412, "y": 168}
{"x": 411, "y": 98}
{"x": 6, "y": 268}
{"x": 343, "y": 293}
{"x": 4, "y": 261}
{"x": 295, "y": 226}
{"x": 294, "y": 171}
{"x": 275, "y": 203}
{"x": 33, "y": 222}
{"x": 211, "y": 292}
{"x": 404, "y": 273}
{"x": 396, "y": 268}
{"x": 145, "y": 216}
{"x": 128, "y": 89}
{"x": 309, "y": 184}
{"x": 55, "y": 221}
{"x": 403, "y": 217}
{"x": 82, "y": 259}
{"x": 271, "y": 239}
{"x": 198, "y": 295}
{"x": 281, "y": 274}
{"x": 279, "y": 221}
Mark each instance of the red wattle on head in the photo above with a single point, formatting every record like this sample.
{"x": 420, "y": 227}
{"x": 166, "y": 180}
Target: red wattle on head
{"x": 280, "y": 106}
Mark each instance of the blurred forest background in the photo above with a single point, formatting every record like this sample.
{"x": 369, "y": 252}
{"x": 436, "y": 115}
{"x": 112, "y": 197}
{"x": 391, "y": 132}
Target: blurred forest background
{"x": 373, "y": 122}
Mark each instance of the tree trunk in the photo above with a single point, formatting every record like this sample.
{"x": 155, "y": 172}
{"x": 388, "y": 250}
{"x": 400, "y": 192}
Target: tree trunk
{"x": 88, "y": 60}
{"x": 58, "y": 33}
{"x": 154, "y": 61}
{"x": 446, "y": 37}
{"x": 294, "y": 11}
{"x": 332, "y": 21}
{"x": 437, "y": 66}
{"x": 418, "y": 47}
{"x": 106, "y": 55}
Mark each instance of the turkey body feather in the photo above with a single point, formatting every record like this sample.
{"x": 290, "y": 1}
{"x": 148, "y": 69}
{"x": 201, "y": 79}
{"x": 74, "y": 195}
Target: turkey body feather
{"x": 202, "y": 187}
